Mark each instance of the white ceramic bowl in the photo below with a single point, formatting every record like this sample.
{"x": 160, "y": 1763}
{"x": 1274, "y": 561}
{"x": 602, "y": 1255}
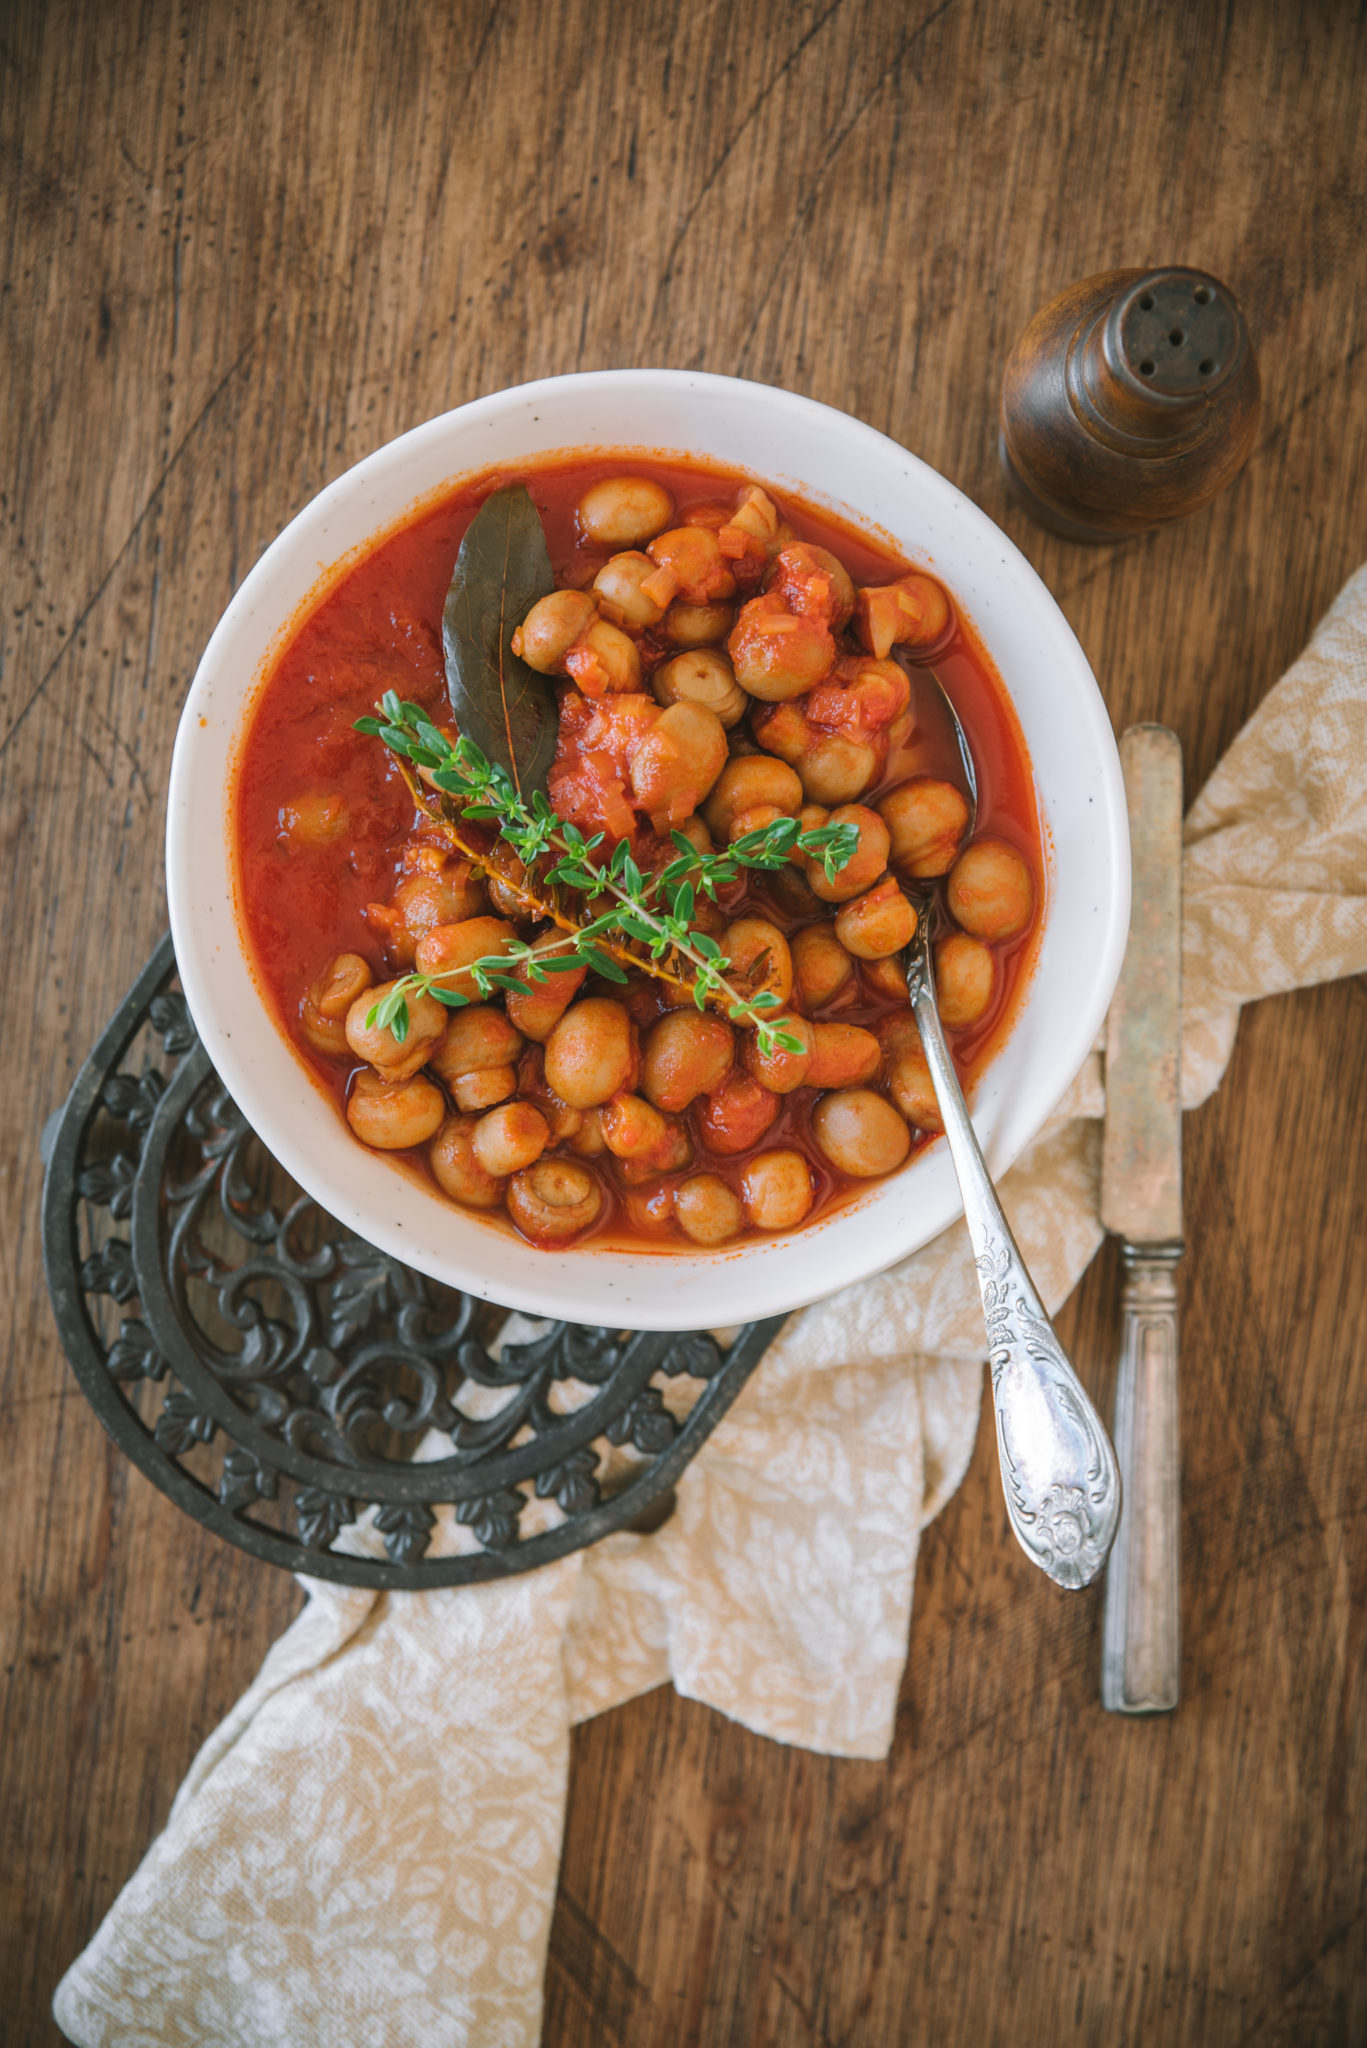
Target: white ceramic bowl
{"x": 831, "y": 460}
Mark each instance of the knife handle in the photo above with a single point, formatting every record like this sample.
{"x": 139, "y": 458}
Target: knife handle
{"x": 1139, "y": 1643}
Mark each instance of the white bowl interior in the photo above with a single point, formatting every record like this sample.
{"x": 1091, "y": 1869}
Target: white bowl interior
{"x": 831, "y": 460}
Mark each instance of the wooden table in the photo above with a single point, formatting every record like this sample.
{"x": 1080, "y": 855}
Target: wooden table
{"x": 245, "y": 244}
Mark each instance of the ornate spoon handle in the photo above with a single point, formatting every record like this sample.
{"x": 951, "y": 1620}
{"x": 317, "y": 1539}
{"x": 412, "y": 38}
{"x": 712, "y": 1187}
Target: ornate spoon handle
{"x": 1058, "y": 1469}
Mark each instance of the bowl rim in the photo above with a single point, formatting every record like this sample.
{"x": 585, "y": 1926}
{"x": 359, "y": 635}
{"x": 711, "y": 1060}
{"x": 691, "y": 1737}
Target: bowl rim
{"x": 550, "y": 1277}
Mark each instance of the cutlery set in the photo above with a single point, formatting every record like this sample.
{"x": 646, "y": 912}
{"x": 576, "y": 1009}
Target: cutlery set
{"x": 1075, "y": 1504}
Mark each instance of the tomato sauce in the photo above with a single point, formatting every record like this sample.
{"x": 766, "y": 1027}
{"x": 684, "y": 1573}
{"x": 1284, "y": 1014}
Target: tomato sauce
{"x": 378, "y": 628}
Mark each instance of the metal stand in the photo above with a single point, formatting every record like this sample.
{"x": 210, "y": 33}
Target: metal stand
{"x": 274, "y": 1374}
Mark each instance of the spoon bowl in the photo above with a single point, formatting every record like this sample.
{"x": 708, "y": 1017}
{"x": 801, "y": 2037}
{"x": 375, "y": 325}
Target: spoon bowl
{"x": 965, "y": 756}
{"x": 928, "y": 895}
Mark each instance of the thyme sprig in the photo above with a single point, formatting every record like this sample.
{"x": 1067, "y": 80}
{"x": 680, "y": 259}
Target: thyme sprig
{"x": 653, "y": 911}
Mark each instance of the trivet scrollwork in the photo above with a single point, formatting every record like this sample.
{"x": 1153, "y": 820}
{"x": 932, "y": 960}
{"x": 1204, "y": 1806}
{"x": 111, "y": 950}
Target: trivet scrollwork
{"x": 274, "y": 1374}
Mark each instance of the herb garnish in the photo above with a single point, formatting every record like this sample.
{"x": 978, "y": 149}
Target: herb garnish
{"x": 654, "y": 911}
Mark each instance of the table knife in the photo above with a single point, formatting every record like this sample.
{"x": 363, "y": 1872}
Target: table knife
{"x": 1141, "y": 1202}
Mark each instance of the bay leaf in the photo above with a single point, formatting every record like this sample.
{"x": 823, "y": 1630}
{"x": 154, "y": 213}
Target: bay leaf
{"x": 504, "y": 706}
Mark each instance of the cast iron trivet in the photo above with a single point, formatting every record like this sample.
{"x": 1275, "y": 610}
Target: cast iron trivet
{"x": 274, "y": 1374}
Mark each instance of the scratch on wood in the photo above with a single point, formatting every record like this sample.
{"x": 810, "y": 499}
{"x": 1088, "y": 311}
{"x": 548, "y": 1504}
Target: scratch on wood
{"x": 600, "y": 1978}
{"x": 808, "y": 203}
{"x": 149, "y": 505}
{"x": 719, "y": 164}
{"x": 817, "y": 2032}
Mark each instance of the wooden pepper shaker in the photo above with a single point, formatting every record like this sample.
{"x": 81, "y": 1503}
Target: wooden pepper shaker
{"x": 1130, "y": 399}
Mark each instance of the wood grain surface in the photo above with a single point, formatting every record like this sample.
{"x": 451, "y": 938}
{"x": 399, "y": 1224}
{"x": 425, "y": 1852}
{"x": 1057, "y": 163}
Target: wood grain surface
{"x": 245, "y": 244}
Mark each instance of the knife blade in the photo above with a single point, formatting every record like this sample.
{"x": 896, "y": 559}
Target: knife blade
{"x": 1141, "y": 1202}
{"x": 1141, "y": 1162}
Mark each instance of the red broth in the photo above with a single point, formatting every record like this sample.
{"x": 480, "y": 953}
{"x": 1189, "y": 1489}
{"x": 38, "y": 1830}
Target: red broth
{"x": 378, "y": 627}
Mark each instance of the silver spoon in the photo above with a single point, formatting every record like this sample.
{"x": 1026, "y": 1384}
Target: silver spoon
{"x": 1058, "y": 1469}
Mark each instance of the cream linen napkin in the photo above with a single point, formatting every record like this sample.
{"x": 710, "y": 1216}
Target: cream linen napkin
{"x": 364, "y": 1855}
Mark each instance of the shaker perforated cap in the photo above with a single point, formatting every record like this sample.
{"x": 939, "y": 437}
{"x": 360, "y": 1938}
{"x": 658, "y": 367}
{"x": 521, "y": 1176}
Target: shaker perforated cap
{"x": 1179, "y": 332}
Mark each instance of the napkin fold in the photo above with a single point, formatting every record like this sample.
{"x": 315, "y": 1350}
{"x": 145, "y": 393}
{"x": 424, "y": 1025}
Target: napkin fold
{"x": 364, "y": 1854}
